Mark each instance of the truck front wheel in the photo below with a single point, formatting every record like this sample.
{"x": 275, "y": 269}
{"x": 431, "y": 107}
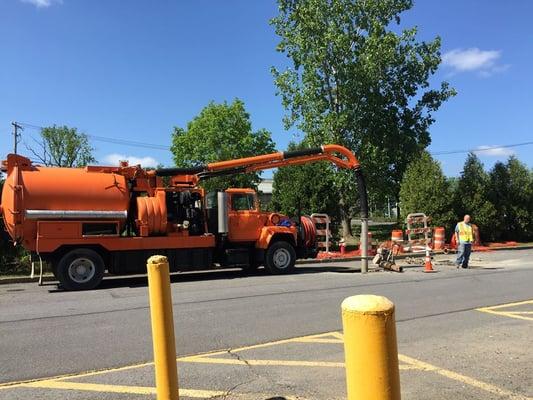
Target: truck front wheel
{"x": 280, "y": 258}
{"x": 80, "y": 269}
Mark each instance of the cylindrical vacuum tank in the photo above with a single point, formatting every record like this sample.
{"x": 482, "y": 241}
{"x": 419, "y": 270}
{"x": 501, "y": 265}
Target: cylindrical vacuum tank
{"x": 33, "y": 193}
{"x": 222, "y": 203}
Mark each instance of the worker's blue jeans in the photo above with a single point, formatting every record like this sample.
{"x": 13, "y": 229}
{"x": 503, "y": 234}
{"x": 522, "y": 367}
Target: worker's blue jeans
{"x": 463, "y": 254}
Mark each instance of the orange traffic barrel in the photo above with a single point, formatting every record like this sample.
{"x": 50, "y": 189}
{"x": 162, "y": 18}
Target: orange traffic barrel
{"x": 397, "y": 235}
{"x": 438, "y": 238}
{"x": 453, "y": 241}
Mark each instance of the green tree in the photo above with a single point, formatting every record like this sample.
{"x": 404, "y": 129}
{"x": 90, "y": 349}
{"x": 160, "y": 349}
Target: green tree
{"x": 221, "y": 132}
{"x": 308, "y": 188}
{"x": 358, "y": 83}
{"x": 471, "y": 197}
{"x": 61, "y": 146}
{"x": 520, "y": 200}
{"x": 500, "y": 196}
{"x": 511, "y": 192}
{"x": 424, "y": 188}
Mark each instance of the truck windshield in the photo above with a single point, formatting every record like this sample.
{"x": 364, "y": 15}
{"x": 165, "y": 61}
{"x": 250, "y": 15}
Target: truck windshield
{"x": 244, "y": 201}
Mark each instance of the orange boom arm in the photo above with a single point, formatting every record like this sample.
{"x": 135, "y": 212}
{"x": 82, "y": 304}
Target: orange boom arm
{"x": 282, "y": 159}
{"x": 338, "y": 155}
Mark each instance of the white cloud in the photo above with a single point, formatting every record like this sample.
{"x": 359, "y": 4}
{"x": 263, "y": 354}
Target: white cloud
{"x": 482, "y": 61}
{"x": 494, "y": 151}
{"x": 115, "y": 159}
{"x": 42, "y": 3}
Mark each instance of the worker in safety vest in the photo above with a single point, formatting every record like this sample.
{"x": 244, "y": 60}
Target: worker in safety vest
{"x": 464, "y": 237}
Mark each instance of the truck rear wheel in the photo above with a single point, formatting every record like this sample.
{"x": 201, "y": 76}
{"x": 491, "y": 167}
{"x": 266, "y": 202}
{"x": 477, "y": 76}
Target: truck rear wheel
{"x": 80, "y": 269}
{"x": 280, "y": 258}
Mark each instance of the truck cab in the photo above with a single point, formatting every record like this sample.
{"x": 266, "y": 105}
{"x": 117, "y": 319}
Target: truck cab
{"x": 245, "y": 217}
{"x": 254, "y": 237}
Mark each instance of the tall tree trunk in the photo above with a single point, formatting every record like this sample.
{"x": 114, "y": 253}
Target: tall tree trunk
{"x": 346, "y": 220}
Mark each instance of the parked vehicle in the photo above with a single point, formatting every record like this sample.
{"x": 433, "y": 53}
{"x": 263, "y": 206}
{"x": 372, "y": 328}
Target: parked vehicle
{"x": 85, "y": 221}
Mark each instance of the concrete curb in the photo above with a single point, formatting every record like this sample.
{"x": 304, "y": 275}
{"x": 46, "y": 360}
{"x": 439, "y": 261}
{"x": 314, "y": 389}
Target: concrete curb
{"x": 402, "y": 256}
{"x": 50, "y": 278}
{"x": 24, "y": 279}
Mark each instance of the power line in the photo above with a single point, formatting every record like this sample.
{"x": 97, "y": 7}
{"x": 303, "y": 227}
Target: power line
{"x": 31, "y": 126}
{"x": 155, "y": 146}
{"x": 129, "y": 142}
{"x": 106, "y": 139}
{"x": 487, "y": 148}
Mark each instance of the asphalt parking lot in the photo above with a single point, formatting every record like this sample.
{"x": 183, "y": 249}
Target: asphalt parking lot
{"x": 463, "y": 334}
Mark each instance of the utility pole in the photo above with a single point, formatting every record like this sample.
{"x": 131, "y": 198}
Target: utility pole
{"x": 16, "y": 135}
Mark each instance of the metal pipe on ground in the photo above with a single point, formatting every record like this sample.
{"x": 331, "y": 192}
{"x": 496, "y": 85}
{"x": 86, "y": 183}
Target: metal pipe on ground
{"x": 363, "y": 198}
{"x": 364, "y": 245}
{"x": 390, "y": 266}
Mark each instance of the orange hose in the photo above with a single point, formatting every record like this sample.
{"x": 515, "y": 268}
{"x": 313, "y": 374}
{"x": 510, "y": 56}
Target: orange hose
{"x": 309, "y": 231}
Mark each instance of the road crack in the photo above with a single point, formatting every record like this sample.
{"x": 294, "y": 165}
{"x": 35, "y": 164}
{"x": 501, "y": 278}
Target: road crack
{"x": 272, "y": 383}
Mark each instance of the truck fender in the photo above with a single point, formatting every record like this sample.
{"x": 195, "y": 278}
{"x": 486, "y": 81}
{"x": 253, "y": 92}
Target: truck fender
{"x": 272, "y": 233}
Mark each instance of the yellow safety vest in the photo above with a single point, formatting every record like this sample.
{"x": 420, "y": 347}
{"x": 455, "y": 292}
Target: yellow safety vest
{"x": 466, "y": 233}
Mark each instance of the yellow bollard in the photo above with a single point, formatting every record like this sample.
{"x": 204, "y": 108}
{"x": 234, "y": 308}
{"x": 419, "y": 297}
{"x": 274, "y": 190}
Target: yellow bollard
{"x": 370, "y": 348}
{"x": 166, "y": 372}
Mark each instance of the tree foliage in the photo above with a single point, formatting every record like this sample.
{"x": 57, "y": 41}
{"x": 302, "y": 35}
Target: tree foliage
{"x": 358, "y": 83}
{"x": 424, "y": 188}
{"x": 308, "y": 188}
{"x": 61, "y": 146}
{"x": 520, "y": 199}
{"x": 471, "y": 197}
{"x": 511, "y": 193}
{"x": 221, "y": 132}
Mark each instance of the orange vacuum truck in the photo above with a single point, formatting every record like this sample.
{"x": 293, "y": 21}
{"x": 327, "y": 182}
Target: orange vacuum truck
{"x": 84, "y": 221}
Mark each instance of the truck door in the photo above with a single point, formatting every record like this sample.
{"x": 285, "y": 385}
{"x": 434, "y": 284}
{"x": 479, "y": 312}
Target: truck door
{"x": 245, "y": 219}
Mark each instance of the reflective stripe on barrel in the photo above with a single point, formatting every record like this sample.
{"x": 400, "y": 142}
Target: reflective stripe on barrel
{"x": 397, "y": 235}
{"x": 438, "y": 238}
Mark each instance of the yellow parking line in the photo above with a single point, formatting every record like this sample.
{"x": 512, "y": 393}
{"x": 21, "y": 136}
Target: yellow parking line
{"x": 95, "y": 387}
{"x": 504, "y": 314}
{"x": 288, "y": 363}
{"x": 519, "y": 312}
{"x": 284, "y": 363}
{"x": 8, "y": 385}
{"x": 260, "y": 345}
{"x": 518, "y": 303}
{"x": 91, "y": 387}
{"x": 317, "y": 340}
{"x": 497, "y": 310}
{"x": 338, "y": 335}
{"x": 463, "y": 379}
{"x": 513, "y": 315}
{"x": 408, "y": 363}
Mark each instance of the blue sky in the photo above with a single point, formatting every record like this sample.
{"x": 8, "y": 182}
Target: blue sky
{"x": 133, "y": 70}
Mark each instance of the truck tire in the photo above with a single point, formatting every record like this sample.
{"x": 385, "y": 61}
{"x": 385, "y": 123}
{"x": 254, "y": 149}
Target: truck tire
{"x": 280, "y": 258}
{"x": 80, "y": 269}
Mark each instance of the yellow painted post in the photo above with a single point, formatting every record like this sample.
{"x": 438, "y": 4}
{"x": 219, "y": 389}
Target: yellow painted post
{"x": 166, "y": 372}
{"x": 370, "y": 348}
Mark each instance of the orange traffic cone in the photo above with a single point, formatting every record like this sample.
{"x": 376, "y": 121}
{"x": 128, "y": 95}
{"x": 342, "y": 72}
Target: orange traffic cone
{"x": 428, "y": 267}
